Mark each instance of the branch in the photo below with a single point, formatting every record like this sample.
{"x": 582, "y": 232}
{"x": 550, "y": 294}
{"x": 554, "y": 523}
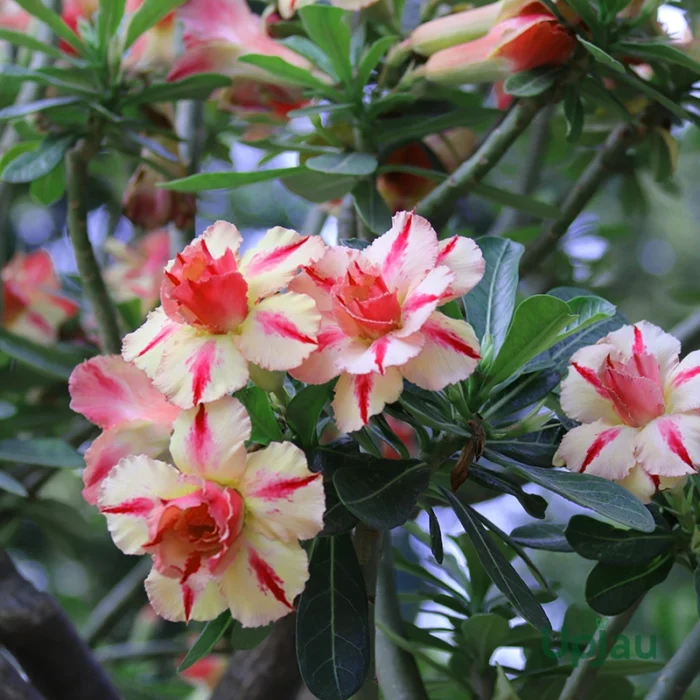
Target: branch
{"x": 42, "y": 639}
{"x": 143, "y": 651}
{"x": 579, "y": 196}
{"x": 77, "y": 178}
{"x": 399, "y": 678}
{"x": 579, "y": 683}
{"x": 482, "y": 161}
{"x": 13, "y": 686}
{"x": 680, "y": 671}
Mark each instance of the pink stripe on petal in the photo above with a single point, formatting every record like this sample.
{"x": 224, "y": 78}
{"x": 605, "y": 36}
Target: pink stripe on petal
{"x": 160, "y": 337}
{"x": 276, "y": 324}
{"x": 284, "y": 488}
{"x": 639, "y": 345}
{"x": 267, "y": 578}
{"x": 419, "y": 301}
{"x": 686, "y": 375}
{"x": 592, "y": 378}
{"x": 201, "y": 435}
{"x": 363, "y": 391}
{"x": 201, "y": 370}
{"x": 674, "y": 440}
{"x": 603, "y": 439}
{"x": 379, "y": 350}
{"x": 192, "y": 566}
{"x": 453, "y": 341}
{"x": 263, "y": 262}
{"x": 398, "y": 249}
{"x": 447, "y": 250}
{"x": 187, "y": 600}
{"x": 135, "y": 506}
{"x": 40, "y": 322}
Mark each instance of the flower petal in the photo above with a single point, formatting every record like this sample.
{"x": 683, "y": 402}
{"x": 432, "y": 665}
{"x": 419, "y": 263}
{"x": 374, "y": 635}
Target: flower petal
{"x": 210, "y": 57}
{"x": 200, "y": 598}
{"x": 644, "y": 337}
{"x": 406, "y": 252}
{"x": 683, "y": 385}
{"x": 220, "y": 237}
{"x": 130, "y": 494}
{"x": 424, "y": 299}
{"x": 387, "y": 351}
{"x": 279, "y": 333}
{"x": 133, "y": 438}
{"x": 639, "y": 483}
{"x": 450, "y": 353}
{"x": 261, "y": 583}
{"x": 318, "y": 280}
{"x": 209, "y": 440}
{"x": 670, "y": 446}
{"x": 283, "y": 499}
{"x": 323, "y": 364}
{"x": 144, "y": 347}
{"x": 599, "y": 449}
{"x": 360, "y": 396}
{"x": 463, "y": 256}
{"x": 276, "y": 259}
{"x": 109, "y": 391}
{"x": 583, "y": 395}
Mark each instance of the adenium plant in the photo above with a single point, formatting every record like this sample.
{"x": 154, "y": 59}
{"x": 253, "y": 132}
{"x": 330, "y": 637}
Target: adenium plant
{"x": 261, "y": 417}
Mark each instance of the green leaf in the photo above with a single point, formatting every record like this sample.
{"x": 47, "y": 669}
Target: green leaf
{"x": 383, "y": 492}
{"x": 533, "y": 504}
{"x": 44, "y": 14}
{"x": 320, "y": 109}
{"x": 150, "y": 12}
{"x": 326, "y": 27}
{"x": 532, "y": 82}
{"x": 266, "y": 429}
{"x": 27, "y": 41}
{"x": 35, "y": 164}
{"x": 696, "y": 585}
{"x": 435, "y": 535}
{"x": 499, "y": 569}
{"x": 357, "y": 164}
{"x": 589, "y": 309}
{"x": 485, "y": 632}
{"x": 503, "y": 690}
{"x": 491, "y": 303}
{"x": 312, "y": 52}
{"x": 372, "y": 57}
{"x": 537, "y": 322}
{"x": 318, "y": 187}
{"x": 650, "y": 91}
{"x": 600, "y": 55}
{"x": 600, "y": 495}
{"x": 547, "y": 536}
{"x": 655, "y": 51}
{"x": 527, "y": 205}
{"x": 304, "y": 409}
{"x": 573, "y": 111}
{"x": 585, "y": 11}
{"x": 50, "y": 188}
{"x": 227, "y": 180}
{"x": 55, "y": 361}
{"x": 371, "y": 207}
{"x": 244, "y": 638}
{"x": 131, "y": 313}
{"x": 611, "y": 589}
{"x": 41, "y": 452}
{"x": 593, "y": 539}
{"x": 213, "y": 631}
{"x": 333, "y": 645}
{"x": 109, "y": 17}
{"x": 54, "y": 77}
{"x": 337, "y": 519}
{"x": 11, "y": 485}
{"x": 195, "y": 87}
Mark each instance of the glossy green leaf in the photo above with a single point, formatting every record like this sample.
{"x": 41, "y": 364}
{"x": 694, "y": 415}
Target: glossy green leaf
{"x": 244, "y": 638}
{"x": 11, "y": 485}
{"x": 149, "y": 13}
{"x": 333, "y": 645}
{"x": 611, "y": 589}
{"x": 327, "y": 28}
{"x": 109, "y": 16}
{"x": 49, "y": 188}
{"x": 62, "y": 78}
{"x": 337, "y": 519}
{"x": 491, "y": 303}
{"x": 41, "y": 452}
{"x": 312, "y": 52}
{"x": 208, "y": 638}
{"x": 37, "y": 163}
{"x": 484, "y": 633}
{"x": 532, "y": 503}
{"x": 527, "y": 205}
{"x": 371, "y": 207}
{"x": 27, "y": 41}
{"x": 356, "y": 164}
{"x": 601, "y": 56}
{"x": 266, "y": 429}
{"x": 532, "y": 82}
{"x": 657, "y": 51}
{"x": 600, "y": 495}
{"x": 650, "y": 91}
{"x": 21, "y": 110}
{"x": 372, "y": 57}
{"x": 304, "y": 409}
{"x": 318, "y": 187}
{"x": 548, "y": 536}
{"x": 593, "y": 539}
{"x": 435, "y": 535}
{"x": 382, "y": 493}
{"x": 194, "y": 87}
{"x": 574, "y": 114}
{"x": 227, "y": 180}
{"x": 499, "y": 569}
{"x": 51, "y": 19}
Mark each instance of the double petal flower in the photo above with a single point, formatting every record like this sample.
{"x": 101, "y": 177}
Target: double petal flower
{"x": 222, "y": 526}
{"x": 380, "y": 319}
{"x": 221, "y": 311}
{"x": 640, "y": 409}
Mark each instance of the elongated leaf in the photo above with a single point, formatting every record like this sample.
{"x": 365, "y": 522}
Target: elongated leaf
{"x": 11, "y": 485}
{"x": 531, "y": 83}
{"x": 356, "y": 164}
{"x": 533, "y": 504}
{"x": 435, "y": 536}
{"x": 548, "y": 536}
{"x": 109, "y": 16}
{"x": 537, "y": 322}
{"x": 484, "y": 633}
{"x": 371, "y": 207}
{"x": 266, "y": 429}
{"x": 53, "y": 21}
{"x": 326, "y": 27}
{"x": 593, "y": 539}
{"x": 304, "y": 409}
{"x": 491, "y": 303}
{"x": 318, "y": 187}
{"x": 291, "y": 74}
{"x": 243, "y": 638}
{"x": 657, "y": 51}
{"x": 195, "y": 87}
{"x": 57, "y": 77}
{"x": 337, "y": 519}
{"x": 605, "y": 497}
{"x": 600, "y": 55}
{"x": 574, "y": 113}
{"x": 611, "y": 589}
{"x": 527, "y": 205}
{"x": 213, "y": 631}
{"x": 333, "y": 643}
{"x": 50, "y": 188}
{"x": 149, "y": 13}
{"x": 320, "y": 109}
{"x": 227, "y": 180}
{"x": 372, "y": 57}
{"x": 650, "y": 91}
{"x": 29, "y": 42}
{"x": 312, "y": 52}
{"x": 499, "y": 569}
{"x": 42, "y": 452}
{"x": 55, "y": 361}
{"x": 382, "y": 493}
{"x": 39, "y": 162}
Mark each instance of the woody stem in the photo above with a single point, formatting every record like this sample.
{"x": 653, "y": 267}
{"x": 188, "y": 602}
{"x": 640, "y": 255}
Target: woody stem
{"x": 680, "y": 671}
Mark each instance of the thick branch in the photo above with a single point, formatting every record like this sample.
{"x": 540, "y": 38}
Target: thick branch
{"x": 12, "y": 685}
{"x": 580, "y": 195}
{"x": 77, "y": 178}
{"x": 680, "y": 671}
{"x": 472, "y": 171}
{"x": 38, "y": 634}
{"x": 398, "y": 673}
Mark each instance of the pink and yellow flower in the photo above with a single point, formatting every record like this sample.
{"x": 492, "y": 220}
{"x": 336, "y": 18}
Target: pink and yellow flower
{"x": 134, "y": 416}
{"x": 221, "y": 311}
{"x": 14, "y": 17}
{"x": 222, "y": 526}
{"x": 33, "y": 304}
{"x": 640, "y": 409}
{"x": 380, "y": 320}
{"x": 287, "y": 8}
